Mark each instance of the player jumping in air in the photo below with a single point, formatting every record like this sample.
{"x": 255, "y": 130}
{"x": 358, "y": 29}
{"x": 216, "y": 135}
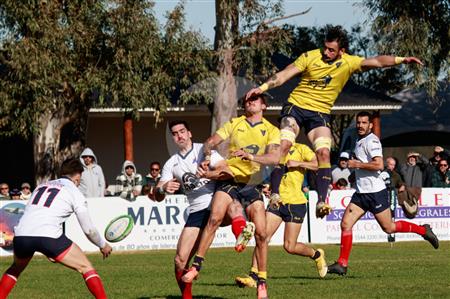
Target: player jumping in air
{"x": 324, "y": 73}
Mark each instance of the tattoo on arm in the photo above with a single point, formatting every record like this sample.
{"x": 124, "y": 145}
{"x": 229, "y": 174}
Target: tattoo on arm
{"x": 272, "y": 148}
{"x": 272, "y": 82}
{"x": 207, "y": 147}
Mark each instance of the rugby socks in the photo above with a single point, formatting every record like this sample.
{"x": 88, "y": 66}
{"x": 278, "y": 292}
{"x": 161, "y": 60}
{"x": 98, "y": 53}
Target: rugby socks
{"x": 197, "y": 263}
{"x": 316, "y": 255}
{"x": 262, "y": 277}
{"x": 323, "y": 181}
{"x": 253, "y": 273}
{"x": 185, "y": 288}
{"x": 275, "y": 178}
{"x": 237, "y": 225}
{"x": 346, "y": 247}
{"x": 7, "y": 283}
{"x": 94, "y": 284}
{"x": 409, "y": 227}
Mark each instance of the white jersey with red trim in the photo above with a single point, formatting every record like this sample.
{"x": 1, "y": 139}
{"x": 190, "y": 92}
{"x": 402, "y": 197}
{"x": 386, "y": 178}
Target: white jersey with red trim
{"x": 49, "y": 206}
{"x": 199, "y": 191}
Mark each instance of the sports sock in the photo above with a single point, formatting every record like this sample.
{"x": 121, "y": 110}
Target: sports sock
{"x": 7, "y": 283}
{"x": 275, "y": 178}
{"x": 254, "y": 273}
{"x": 197, "y": 263}
{"x": 346, "y": 247}
{"x": 186, "y": 292}
{"x": 316, "y": 255}
{"x": 262, "y": 276}
{"x": 237, "y": 225}
{"x": 409, "y": 227}
{"x": 323, "y": 181}
{"x": 178, "y": 274}
{"x": 94, "y": 284}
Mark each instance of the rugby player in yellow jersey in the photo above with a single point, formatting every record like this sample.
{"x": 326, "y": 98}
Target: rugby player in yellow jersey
{"x": 291, "y": 209}
{"x": 324, "y": 73}
{"x": 253, "y": 141}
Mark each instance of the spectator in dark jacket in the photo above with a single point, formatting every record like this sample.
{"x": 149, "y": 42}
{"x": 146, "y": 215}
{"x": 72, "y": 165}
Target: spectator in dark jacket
{"x": 441, "y": 175}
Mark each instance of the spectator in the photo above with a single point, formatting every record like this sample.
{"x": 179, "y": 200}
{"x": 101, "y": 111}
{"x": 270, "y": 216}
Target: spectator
{"x": 25, "y": 193}
{"x": 152, "y": 178}
{"x": 441, "y": 175}
{"x": 340, "y": 184}
{"x": 4, "y": 191}
{"x": 413, "y": 170}
{"x": 391, "y": 177}
{"x": 129, "y": 183}
{"x": 15, "y": 194}
{"x": 438, "y": 154}
{"x": 92, "y": 182}
{"x": 341, "y": 171}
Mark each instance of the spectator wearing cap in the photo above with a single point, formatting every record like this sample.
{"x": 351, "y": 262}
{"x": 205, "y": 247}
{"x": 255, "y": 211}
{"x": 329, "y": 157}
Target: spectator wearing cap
{"x": 92, "y": 183}
{"x": 341, "y": 171}
{"x": 413, "y": 170}
{"x": 152, "y": 178}
{"x": 25, "y": 192}
{"x": 4, "y": 191}
{"x": 15, "y": 194}
{"x": 441, "y": 175}
{"x": 129, "y": 182}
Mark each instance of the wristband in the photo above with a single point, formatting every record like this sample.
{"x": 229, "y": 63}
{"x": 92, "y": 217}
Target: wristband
{"x": 264, "y": 87}
{"x": 399, "y": 60}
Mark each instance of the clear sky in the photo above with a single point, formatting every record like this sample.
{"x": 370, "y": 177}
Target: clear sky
{"x": 200, "y": 14}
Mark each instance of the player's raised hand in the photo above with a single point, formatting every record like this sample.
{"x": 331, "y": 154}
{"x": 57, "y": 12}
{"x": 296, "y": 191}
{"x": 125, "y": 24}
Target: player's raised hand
{"x": 411, "y": 59}
{"x": 253, "y": 92}
{"x": 106, "y": 250}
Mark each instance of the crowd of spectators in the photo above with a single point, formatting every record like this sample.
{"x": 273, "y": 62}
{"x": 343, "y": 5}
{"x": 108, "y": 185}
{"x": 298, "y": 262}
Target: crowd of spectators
{"x": 418, "y": 171}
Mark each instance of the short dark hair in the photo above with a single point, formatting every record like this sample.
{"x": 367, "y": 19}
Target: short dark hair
{"x": 155, "y": 163}
{"x": 178, "y": 122}
{"x": 337, "y": 34}
{"x": 263, "y": 96}
{"x": 71, "y": 167}
{"x": 342, "y": 182}
{"x": 365, "y": 113}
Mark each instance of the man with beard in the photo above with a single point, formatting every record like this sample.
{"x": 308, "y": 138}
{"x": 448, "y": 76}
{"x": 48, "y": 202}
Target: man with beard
{"x": 324, "y": 72}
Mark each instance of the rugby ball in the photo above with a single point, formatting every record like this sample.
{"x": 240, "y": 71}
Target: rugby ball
{"x": 119, "y": 228}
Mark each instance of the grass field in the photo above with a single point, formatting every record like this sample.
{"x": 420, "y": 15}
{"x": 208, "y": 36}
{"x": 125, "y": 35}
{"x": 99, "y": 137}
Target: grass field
{"x": 407, "y": 270}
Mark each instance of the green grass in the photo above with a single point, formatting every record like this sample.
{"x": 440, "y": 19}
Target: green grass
{"x": 407, "y": 270}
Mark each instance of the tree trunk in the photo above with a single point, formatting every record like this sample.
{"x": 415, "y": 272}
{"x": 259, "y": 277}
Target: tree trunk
{"x": 225, "y": 103}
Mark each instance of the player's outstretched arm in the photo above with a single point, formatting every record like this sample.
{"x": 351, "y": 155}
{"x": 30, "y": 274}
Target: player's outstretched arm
{"x": 276, "y": 80}
{"x": 374, "y": 165}
{"x": 210, "y": 144}
{"x": 311, "y": 165}
{"x": 387, "y": 61}
{"x": 220, "y": 171}
{"x": 270, "y": 157}
{"x": 163, "y": 187}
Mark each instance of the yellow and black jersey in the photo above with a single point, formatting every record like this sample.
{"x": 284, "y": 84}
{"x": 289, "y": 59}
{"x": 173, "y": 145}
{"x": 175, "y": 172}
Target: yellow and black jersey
{"x": 321, "y": 82}
{"x": 292, "y": 181}
{"x": 253, "y": 138}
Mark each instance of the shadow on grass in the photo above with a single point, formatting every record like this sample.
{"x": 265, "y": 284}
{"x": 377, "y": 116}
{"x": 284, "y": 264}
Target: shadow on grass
{"x": 328, "y": 277}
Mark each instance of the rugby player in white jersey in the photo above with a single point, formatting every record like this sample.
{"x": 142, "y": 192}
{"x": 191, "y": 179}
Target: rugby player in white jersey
{"x": 40, "y": 229}
{"x": 371, "y": 195}
{"x": 181, "y": 171}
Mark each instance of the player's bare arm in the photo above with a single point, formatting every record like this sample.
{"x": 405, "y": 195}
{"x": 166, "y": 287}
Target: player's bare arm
{"x": 311, "y": 165}
{"x": 387, "y": 61}
{"x": 220, "y": 171}
{"x": 270, "y": 157}
{"x": 165, "y": 187}
{"x": 276, "y": 80}
{"x": 208, "y": 146}
{"x": 374, "y": 165}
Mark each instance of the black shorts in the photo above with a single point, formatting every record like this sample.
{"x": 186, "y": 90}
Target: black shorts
{"x": 290, "y": 212}
{"x": 375, "y": 202}
{"x": 25, "y": 247}
{"x": 306, "y": 119}
{"x": 198, "y": 219}
{"x": 245, "y": 194}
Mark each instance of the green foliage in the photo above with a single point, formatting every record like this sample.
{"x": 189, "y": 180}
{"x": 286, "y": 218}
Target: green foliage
{"x": 415, "y": 28}
{"x": 376, "y": 270}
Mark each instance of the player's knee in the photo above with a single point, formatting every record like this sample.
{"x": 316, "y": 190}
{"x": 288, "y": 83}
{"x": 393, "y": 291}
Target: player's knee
{"x": 346, "y": 225}
{"x": 388, "y": 228}
{"x": 322, "y": 146}
{"x": 214, "y": 222}
{"x": 261, "y": 237}
{"x": 179, "y": 261}
{"x": 289, "y": 246}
